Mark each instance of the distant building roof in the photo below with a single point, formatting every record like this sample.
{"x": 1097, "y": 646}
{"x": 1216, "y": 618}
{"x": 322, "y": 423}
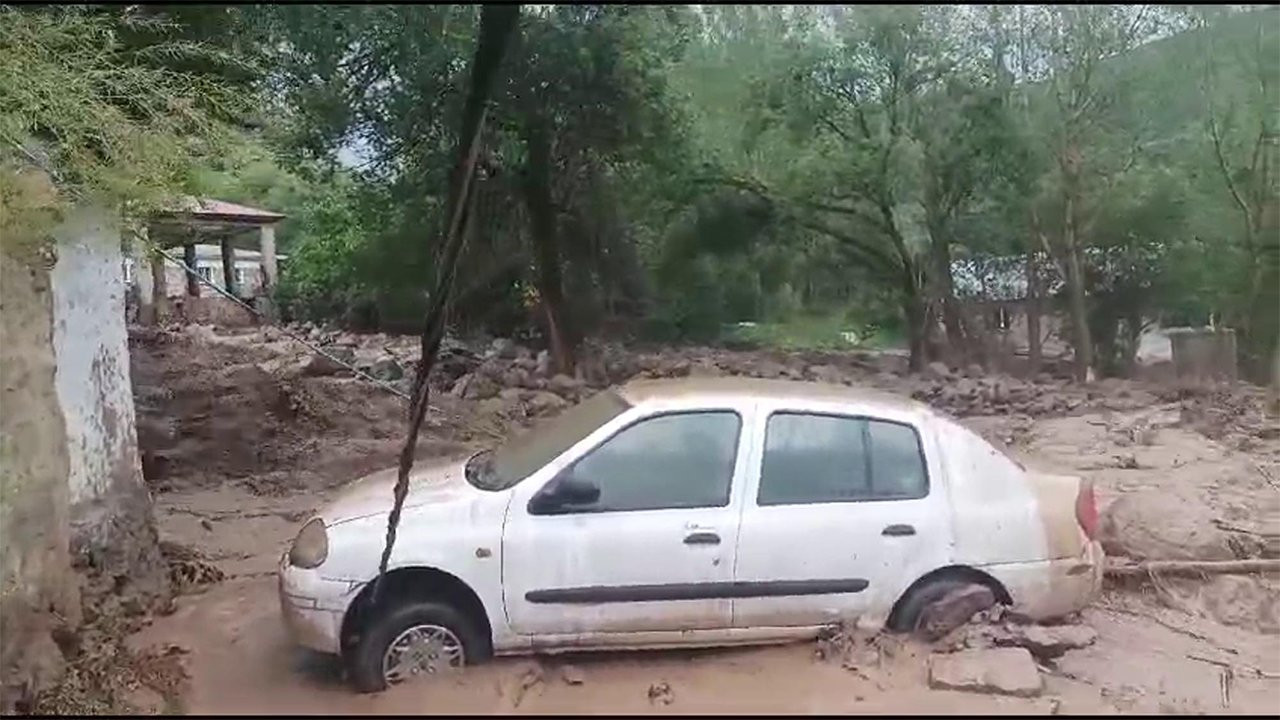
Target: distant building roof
{"x": 209, "y": 209}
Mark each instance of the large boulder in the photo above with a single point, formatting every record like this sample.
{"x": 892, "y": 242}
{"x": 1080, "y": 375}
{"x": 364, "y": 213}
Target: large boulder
{"x": 1160, "y": 524}
{"x": 565, "y": 386}
{"x": 386, "y": 369}
{"x": 318, "y": 365}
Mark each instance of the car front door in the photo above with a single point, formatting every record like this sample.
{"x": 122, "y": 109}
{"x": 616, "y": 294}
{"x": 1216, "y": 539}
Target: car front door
{"x": 654, "y": 551}
{"x": 840, "y": 517}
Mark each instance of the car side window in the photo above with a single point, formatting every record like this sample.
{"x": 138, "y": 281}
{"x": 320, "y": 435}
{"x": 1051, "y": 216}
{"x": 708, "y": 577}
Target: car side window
{"x": 814, "y": 458}
{"x": 681, "y": 460}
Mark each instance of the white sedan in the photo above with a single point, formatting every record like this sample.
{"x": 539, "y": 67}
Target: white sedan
{"x": 686, "y": 512}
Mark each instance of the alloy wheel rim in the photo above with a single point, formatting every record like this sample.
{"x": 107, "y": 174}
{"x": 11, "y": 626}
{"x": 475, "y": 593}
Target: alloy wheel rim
{"x": 421, "y": 650}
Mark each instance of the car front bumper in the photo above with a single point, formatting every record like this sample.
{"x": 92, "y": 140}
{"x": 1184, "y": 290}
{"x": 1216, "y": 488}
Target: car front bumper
{"x": 313, "y": 606}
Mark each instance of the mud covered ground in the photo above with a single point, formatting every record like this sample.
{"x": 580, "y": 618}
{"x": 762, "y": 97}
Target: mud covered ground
{"x": 243, "y": 436}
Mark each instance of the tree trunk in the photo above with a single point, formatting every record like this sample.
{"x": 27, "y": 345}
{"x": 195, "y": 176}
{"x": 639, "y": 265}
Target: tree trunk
{"x": 1075, "y": 270}
{"x": 1035, "y": 350}
{"x": 546, "y": 250}
{"x": 916, "y": 314}
{"x": 958, "y": 345}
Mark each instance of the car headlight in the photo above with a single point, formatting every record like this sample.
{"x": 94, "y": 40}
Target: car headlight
{"x": 311, "y": 546}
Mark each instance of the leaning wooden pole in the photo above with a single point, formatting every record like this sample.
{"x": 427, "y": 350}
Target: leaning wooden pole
{"x": 496, "y": 25}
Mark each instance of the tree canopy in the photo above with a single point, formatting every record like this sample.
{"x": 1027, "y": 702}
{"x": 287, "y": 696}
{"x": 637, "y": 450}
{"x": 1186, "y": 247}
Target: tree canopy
{"x": 664, "y": 172}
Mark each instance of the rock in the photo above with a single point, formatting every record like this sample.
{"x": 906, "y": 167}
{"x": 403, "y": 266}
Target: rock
{"x": 937, "y": 370}
{"x": 825, "y": 373}
{"x": 565, "y": 386}
{"x": 572, "y": 675}
{"x": 480, "y": 388}
{"x": 516, "y": 378}
{"x": 1156, "y": 524}
{"x": 1001, "y": 671}
{"x": 1047, "y": 643}
{"x": 460, "y": 386}
{"x": 955, "y": 609}
{"x": 318, "y": 365}
{"x": 386, "y": 369}
{"x": 542, "y": 402}
{"x": 542, "y": 365}
{"x": 705, "y": 369}
{"x": 661, "y": 692}
{"x": 974, "y": 370}
{"x": 511, "y": 394}
{"x": 504, "y": 348}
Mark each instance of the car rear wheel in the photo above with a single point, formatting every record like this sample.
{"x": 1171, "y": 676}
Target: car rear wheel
{"x": 912, "y": 613}
{"x": 411, "y": 640}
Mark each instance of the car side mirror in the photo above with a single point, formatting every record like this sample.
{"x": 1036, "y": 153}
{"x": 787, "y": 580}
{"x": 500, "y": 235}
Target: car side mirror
{"x": 565, "y": 490}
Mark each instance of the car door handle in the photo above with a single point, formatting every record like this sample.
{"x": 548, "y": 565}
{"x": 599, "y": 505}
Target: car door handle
{"x": 703, "y": 537}
{"x": 898, "y": 530}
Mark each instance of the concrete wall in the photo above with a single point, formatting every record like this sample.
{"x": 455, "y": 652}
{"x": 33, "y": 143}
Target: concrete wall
{"x": 93, "y": 356}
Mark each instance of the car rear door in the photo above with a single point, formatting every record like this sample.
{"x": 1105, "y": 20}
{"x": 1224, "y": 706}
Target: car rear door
{"x": 841, "y": 514}
{"x": 656, "y": 551}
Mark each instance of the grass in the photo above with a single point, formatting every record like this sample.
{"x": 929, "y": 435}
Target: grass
{"x": 815, "y": 332}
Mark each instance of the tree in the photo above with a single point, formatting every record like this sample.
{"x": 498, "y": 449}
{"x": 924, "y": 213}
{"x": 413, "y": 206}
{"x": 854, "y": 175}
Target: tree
{"x": 1242, "y": 125}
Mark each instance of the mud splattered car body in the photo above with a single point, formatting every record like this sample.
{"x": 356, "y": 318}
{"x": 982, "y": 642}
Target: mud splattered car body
{"x": 690, "y": 512}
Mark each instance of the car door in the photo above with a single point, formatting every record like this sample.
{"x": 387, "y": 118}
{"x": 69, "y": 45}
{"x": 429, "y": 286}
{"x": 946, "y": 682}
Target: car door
{"x": 654, "y": 552}
{"x": 840, "y": 515}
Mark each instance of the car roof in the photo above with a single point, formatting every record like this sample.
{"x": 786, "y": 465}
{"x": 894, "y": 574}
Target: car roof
{"x": 641, "y": 391}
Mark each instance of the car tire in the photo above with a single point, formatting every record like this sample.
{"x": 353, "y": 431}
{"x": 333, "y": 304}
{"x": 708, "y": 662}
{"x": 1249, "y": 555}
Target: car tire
{"x": 365, "y": 660}
{"x": 907, "y": 619}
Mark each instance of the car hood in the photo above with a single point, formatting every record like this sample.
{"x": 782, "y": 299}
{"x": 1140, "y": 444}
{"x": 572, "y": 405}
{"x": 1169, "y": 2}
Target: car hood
{"x": 373, "y": 494}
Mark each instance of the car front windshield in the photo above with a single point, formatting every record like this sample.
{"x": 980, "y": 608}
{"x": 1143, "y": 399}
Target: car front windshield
{"x": 517, "y": 458}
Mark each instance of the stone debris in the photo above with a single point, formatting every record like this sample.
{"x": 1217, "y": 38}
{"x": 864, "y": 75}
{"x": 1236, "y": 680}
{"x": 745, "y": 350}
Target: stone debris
{"x": 1000, "y": 671}
{"x": 572, "y": 675}
{"x": 661, "y": 692}
{"x": 1044, "y": 642}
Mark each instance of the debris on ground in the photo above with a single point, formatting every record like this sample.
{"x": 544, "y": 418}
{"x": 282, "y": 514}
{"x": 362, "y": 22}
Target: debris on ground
{"x": 1044, "y": 642}
{"x": 661, "y": 692}
{"x": 1004, "y": 671}
{"x": 572, "y": 675}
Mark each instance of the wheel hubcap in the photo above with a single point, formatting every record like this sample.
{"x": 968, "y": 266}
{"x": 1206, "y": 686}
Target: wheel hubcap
{"x": 421, "y": 650}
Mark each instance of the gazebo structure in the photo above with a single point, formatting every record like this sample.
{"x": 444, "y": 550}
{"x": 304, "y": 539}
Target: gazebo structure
{"x": 197, "y": 221}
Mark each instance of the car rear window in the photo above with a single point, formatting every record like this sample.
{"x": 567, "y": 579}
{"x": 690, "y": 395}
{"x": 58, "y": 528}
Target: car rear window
{"x": 817, "y": 458}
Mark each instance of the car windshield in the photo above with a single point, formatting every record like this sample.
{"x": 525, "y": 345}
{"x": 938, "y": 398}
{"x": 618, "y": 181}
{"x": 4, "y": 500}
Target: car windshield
{"x": 514, "y": 460}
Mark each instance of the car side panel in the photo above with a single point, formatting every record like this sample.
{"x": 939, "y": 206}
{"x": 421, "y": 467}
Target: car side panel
{"x": 994, "y": 508}
{"x": 839, "y": 540}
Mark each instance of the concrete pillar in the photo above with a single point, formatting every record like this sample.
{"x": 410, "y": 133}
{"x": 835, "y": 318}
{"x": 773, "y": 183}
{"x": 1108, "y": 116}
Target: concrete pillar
{"x": 159, "y": 288}
{"x": 228, "y": 266}
{"x": 189, "y": 257}
{"x": 267, "y": 246}
{"x": 143, "y": 276}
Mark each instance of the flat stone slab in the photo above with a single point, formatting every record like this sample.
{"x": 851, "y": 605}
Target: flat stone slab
{"x": 998, "y": 671}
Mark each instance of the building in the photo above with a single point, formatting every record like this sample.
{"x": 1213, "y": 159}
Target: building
{"x": 247, "y": 277}
{"x": 159, "y": 288}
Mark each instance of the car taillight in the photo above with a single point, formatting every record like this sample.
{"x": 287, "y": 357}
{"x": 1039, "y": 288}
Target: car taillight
{"x": 1087, "y": 509}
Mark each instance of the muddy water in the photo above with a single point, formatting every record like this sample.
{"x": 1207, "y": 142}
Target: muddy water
{"x": 240, "y": 662}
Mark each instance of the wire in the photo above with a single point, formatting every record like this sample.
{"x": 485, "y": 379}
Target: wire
{"x": 315, "y": 348}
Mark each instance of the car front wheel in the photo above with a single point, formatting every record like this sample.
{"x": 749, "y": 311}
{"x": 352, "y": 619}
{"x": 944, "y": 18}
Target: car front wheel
{"x": 413, "y": 639}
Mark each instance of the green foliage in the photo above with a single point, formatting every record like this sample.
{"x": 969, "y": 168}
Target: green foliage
{"x": 108, "y": 122}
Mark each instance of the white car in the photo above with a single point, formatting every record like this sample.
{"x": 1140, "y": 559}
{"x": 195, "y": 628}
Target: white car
{"x": 686, "y": 512}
